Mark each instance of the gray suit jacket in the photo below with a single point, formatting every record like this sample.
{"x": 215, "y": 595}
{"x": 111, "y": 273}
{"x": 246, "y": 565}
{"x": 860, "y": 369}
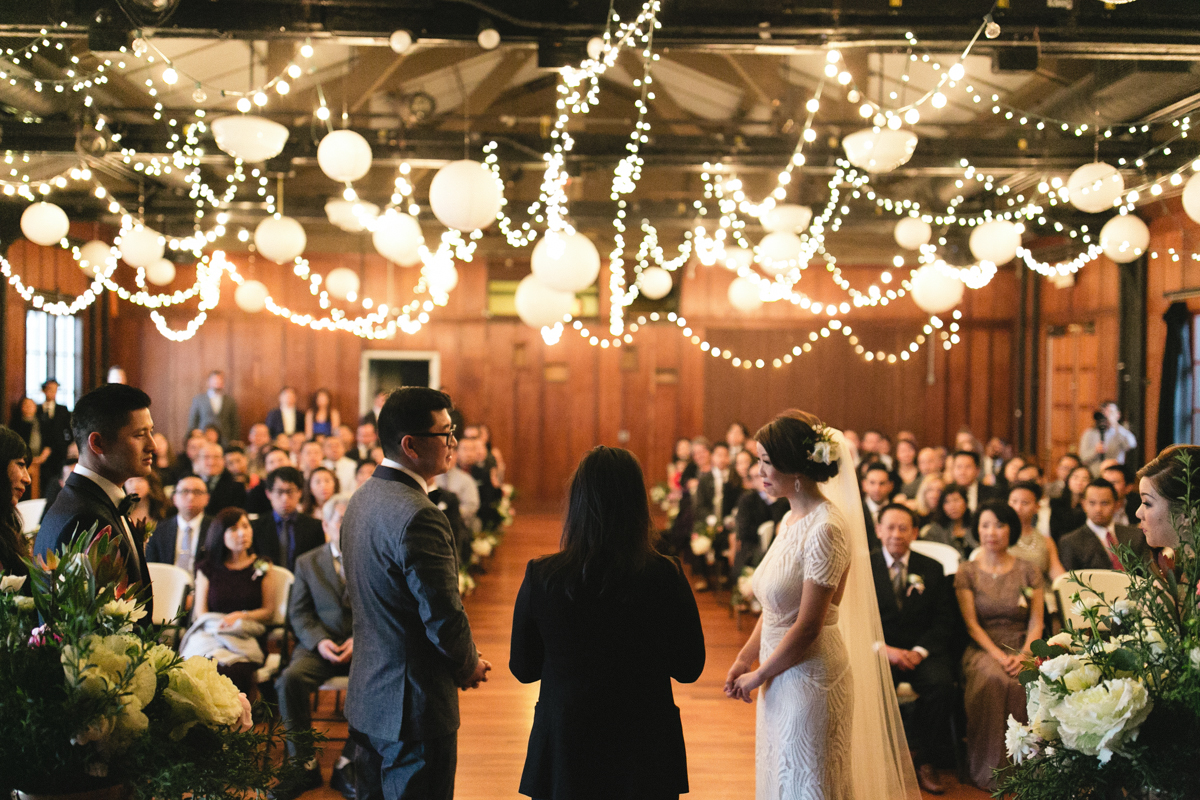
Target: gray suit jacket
{"x": 201, "y": 415}
{"x": 1081, "y": 549}
{"x": 412, "y": 642}
{"x": 320, "y": 606}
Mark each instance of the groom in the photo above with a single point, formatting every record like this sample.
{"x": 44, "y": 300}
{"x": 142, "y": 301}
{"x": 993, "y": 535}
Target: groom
{"x": 413, "y": 645}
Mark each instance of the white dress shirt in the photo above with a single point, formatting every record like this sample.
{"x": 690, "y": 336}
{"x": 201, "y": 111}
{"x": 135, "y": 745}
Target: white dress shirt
{"x": 216, "y": 400}
{"x": 387, "y": 462}
{"x": 288, "y": 415}
{"x": 116, "y": 494}
{"x": 1103, "y": 533}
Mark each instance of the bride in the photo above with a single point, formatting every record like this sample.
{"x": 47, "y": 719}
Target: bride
{"x": 825, "y": 682}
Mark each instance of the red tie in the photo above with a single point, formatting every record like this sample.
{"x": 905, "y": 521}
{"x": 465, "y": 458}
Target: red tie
{"x": 1112, "y": 552}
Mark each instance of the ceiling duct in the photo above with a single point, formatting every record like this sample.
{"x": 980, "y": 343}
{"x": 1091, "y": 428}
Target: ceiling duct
{"x": 1124, "y": 91}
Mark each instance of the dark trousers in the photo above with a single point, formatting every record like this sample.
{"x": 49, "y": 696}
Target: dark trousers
{"x": 927, "y": 721}
{"x": 295, "y": 686}
{"x": 408, "y": 770}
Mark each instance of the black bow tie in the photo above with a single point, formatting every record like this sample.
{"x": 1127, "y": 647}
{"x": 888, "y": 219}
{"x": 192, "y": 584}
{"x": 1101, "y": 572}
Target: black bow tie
{"x": 128, "y": 503}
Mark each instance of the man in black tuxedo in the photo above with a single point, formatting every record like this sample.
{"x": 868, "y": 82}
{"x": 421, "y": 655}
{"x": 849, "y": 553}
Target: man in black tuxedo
{"x": 54, "y": 422}
{"x": 179, "y": 539}
{"x": 964, "y": 470}
{"x": 224, "y": 491}
{"x": 286, "y": 534}
{"x": 115, "y": 434}
{"x": 1093, "y": 546}
{"x": 877, "y": 488}
{"x": 917, "y": 612}
{"x": 286, "y": 417}
{"x": 257, "y": 502}
{"x": 322, "y": 620}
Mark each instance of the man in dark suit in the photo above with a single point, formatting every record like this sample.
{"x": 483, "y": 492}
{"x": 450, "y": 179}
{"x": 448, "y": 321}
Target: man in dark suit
{"x": 179, "y": 539}
{"x": 1129, "y": 500}
{"x": 917, "y": 612}
{"x": 54, "y": 422}
{"x": 717, "y": 494}
{"x": 1094, "y": 545}
{"x": 215, "y": 408}
{"x": 964, "y": 470}
{"x": 320, "y": 617}
{"x": 115, "y": 434}
{"x": 413, "y": 642}
{"x": 365, "y": 438}
{"x": 224, "y": 490}
{"x": 877, "y": 488}
{"x": 286, "y": 534}
{"x": 257, "y": 502}
{"x": 286, "y": 417}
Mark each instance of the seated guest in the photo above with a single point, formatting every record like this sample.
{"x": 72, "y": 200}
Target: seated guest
{"x": 14, "y": 482}
{"x": 1062, "y": 471}
{"x": 213, "y": 434}
{"x": 736, "y": 436}
{"x": 495, "y": 458}
{"x": 1128, "y": 501}
{"x": 151, "y": 507}
{"x": 258, "y": 442}
{"x": 877, "y": 492}
{"x": 1012, "y": 468}
{"x": 1000, "y": 597}
{"x": 337, "y": 462}
{"x": 459, "y": 483}
{"x": 295, "y": 444}
{"x": 447, "y": 503}
{"x": 476, "y": 465}
{"x": 312, "y": 454}
{"x": 237, "y": 464}
{"x": 236, "y": 596}
{"x": 1030, "y": 471}
{"x": 964, "y": 470}
{"x": 164, "y": 461}
{"x": 223, "y": 490}
{"x": 257, "y": 502}
{"x": 28, "y": 427}
{"x": 742, "y": 461}
{"x": 931, "y": 461}
{"x": 1066, "y": 510}
{"x": 285, "y": 418}
{"x": 754, "y": 508}
{"x": 366, "y": 470}
{"x": 1034, "y": 547}
{"x": 917, "y": 612}
{"x": 321, "y": 485}
{"x": 364, "y": 439}
{"x": 716, "y": 496}
{"x": 952, "y": 522}
{"x": 321, "y": 419}
{"x": 675, "y": 469}
{"x": 347, "y": 435}
{"x": 928, "y": 499}
{"x": 191, "y": 451}
{"x": 320, "y": 616}
{"x": 1094, "y": 544}
{"x": 179, "y": 539}
{"x": 285, "y": 534}
{"x": 907, "y": 471}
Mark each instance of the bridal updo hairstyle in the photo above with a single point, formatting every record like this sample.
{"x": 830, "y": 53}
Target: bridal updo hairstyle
{"x": 1172, "y": 478}
{"x": 789, "y": 440}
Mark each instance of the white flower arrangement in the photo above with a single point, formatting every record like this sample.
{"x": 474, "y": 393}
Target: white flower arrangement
{"x": 825, "y": 449}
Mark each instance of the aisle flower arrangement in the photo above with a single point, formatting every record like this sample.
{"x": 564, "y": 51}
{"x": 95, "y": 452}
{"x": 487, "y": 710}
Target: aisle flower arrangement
{"x": 1114, "y": 705}
{"x": 90, "y": 699}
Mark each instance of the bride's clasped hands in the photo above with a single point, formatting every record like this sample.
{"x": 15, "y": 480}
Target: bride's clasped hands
{"x": 742, "y": 680}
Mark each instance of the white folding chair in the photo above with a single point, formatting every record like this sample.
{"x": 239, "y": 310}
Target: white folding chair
{"x": 169, "y": 589}
{"x": 31, "y": 514}
{"x": 1112, "y": 584}
{"x": 277, "y": 627}
{"x": 944, "y": 554}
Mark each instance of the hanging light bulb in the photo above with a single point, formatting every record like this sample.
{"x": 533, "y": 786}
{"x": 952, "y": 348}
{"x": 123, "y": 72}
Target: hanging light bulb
{"x": 865, "y": 110}
{"x": 307, "y": 50}
{"x": 283, "y": 87}
{"x": 243, "y": 104}
{"x": 322, "y": 113}
{"x": 957, "y": 71}
{"x": 938, "y": 100}
{"x": 912, "y": 116}
{"x": 294, "y": 71}
{"x": 260, "y": 98}
{"x": 170, "y": 76}
{"x": 992, "y": 29}
{"x": 199, "y": 95}
{"x": 488, "y": 37}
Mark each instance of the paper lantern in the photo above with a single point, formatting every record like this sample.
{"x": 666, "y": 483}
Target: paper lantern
{"x": 398, "y": 238}
{"x": 539, "y": 305}
{"x": 743, "y": 295}
{"x": 879, "y": 149}
{"x": 352, "y": 216}
{"x": 1191, "y": 198}
{"x": 995, "y": 241}
{"x": 787, "y": 217}
{"x": 251, "y": 296}
{"x": 912, "y": 232}
{"x": 160, "y": 272}
{"x": 281, "y": 239}
{"x": 934, "y": 291}
{"x": 778, "y": 252}
{"x": 655, "y": 283}
{"x": 1095, "y": 187}
{"x": 44, "y": 223}
{"x": 248, "y": 137}
{"x": 141, "y": 247}
{"x": 344, "y": 155}
{"x": 465, "y": 195}
{"x": 440, "y": 277}
{"x": 565, "y": 262}
{"x": 1124, "y": 238}
{"x": 738, "y": 257}
{"x": 341, "y": 283}
{"x": 400, "y": 41}
{"x": 94, "y": 256}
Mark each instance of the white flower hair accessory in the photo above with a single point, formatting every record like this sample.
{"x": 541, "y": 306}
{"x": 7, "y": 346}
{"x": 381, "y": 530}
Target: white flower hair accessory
{"x": 825, "y": 449}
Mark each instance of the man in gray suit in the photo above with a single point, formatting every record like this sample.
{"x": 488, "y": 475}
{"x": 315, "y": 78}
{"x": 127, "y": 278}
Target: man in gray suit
{"x": 215, "y": 408}
{"x": 1094, "y": 545}
{"x": 413, "y": 644}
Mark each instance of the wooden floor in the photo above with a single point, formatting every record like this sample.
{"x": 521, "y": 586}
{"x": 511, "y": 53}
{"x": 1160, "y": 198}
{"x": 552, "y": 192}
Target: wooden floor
{"x": 497, "y": 717}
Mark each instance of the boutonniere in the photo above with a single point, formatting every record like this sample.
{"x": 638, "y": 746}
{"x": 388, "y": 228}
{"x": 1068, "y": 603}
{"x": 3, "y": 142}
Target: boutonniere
{"x": 261, "y": 567}
{"x": 915, "y": 584}
{"x": 1026, "y": 596}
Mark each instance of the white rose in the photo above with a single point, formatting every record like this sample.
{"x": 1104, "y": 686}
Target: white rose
{"x": 1055, "y": 668}
{"x": 1194, "y": 657}
{"x": 1155, "y": 640}
{"x": 481, "y": 548}
{"x": 821, "y": 452}
{"x": 1098, "y": 721}
{"x": 1085, "y": 677}
{"x": 1124, "y": 608}
{"x": 747, "y": 591}
{"x": 711, "y": 520}
{"x": 1020, "y": 742}
{"x": 12, "y": 583}
{"x": 197, "y": 693}
{"x": 1039, "y": 707}
{"x": 701, "y": 545}
{"x": 834, "y": 453}
{"x": 1061, "y": 640}
{"x": 123, "y": 608}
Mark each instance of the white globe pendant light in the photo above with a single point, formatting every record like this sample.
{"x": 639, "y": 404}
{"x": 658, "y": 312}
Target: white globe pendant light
{"x": 935, "y": 292}
{"x": 94, "y": 256}
{"x": 398, "y": 238}
{"x": 1124, "y": 238}
{"x": 342, "y": 282}
{"x": 1095, "y": 187}
{"x": 251, "y": 296}
{"x": 655, "y": 283}
{"x": 567, "y": 262}
{"x": 281, "y": 239}
{"x": 778, "y": 252}
{"x": 912, "y": 232}
{"x": 538, "y": 305}
{"x": 141, "y": 247}
{"x": 344, "y": 155}
{"x": 879, "y": 149}
{"x": 1191, "y": 198}
{"x": 789, "y": 218}
{"x": 44, "y": 223}
{"x": 995, "y": 241}
{"x": 352, "y": 216}
{"x": 743, "y": 295}
{"x": 465, "y": 195}
{"x": 440, "y": 277}
{"x": 251, "y": 138}
{"x": 160, "y": 272}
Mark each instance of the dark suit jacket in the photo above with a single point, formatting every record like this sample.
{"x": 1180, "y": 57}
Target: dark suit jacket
{"x": 706, "y": 493}
{"x": 309, "y": 535}
{"x": 1081, "y": 549}
{"x": 225, "y": 494}
{"x": 56, "y": 434}
{"x": 412, "y": 641}
{"x": 79, "y": 505}
{"x": 320, "y": 605}
{"x": 275, "y": 421}
{"x": 257, "y": 501}
{"x": 201, "y": 415}
{"x": 161, "y": 547}
{"x": 927, "y": 618}
{"x": 606, "y": 725}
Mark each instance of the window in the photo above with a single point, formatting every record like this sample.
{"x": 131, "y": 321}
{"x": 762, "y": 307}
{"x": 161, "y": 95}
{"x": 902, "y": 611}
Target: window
{"x": 53, "y": 349}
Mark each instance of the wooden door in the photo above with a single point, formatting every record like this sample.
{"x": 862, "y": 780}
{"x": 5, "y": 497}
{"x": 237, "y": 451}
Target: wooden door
{"x": 1071, "y": 392}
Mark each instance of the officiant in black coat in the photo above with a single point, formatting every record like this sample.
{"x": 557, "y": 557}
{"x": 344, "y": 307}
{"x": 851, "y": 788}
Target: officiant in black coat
{"x": 605, "y": 624}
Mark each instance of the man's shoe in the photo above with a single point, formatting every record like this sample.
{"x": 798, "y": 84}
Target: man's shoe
{"x": 311, "y": 780}
{"x": 928, "y": 780}
{"x": 342, "y": 780}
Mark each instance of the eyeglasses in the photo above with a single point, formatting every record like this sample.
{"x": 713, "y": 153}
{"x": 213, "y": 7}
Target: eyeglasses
{"x": 447, "y": 435}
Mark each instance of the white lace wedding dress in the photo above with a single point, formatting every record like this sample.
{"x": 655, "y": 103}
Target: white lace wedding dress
{"x": 804, "y": 715}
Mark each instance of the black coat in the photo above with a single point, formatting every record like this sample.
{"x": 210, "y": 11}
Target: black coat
{"x": 160, "y": 549}
{"x": 308, "y": 532}
{"x": 927, "y": 617}
{"x": 1081, "y": 548}
{"x": 1064, "y": 518}
{"x": 226, "y": 493}
{"x": 56, "y": 434}
{"x": 79, "y": 506}
{"x": 706, "y": 494}
{"x": 606, "y": 725}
